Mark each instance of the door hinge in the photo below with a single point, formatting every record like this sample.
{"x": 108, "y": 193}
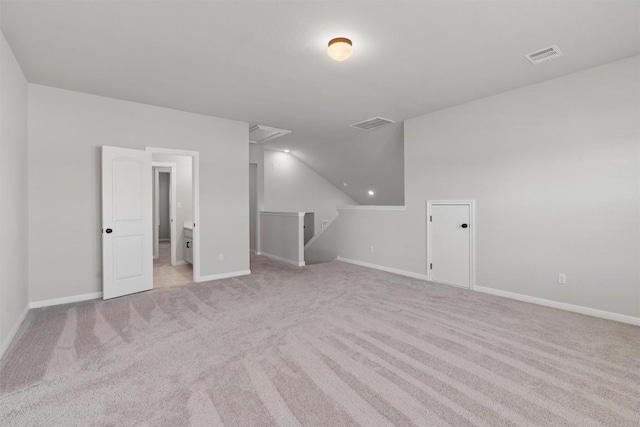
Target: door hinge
{"x": 430, "y": 218}
{"x": 430, "y": 266}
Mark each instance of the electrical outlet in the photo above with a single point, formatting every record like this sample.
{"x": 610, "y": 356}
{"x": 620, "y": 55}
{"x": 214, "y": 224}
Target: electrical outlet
{"x": 562, "y": 278}
{"x": 221, "y": 257}
{"x": 371, "y": 249}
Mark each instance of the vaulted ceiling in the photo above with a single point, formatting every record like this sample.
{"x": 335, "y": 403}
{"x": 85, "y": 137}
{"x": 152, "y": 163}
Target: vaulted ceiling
{"x": 265, "y": 62}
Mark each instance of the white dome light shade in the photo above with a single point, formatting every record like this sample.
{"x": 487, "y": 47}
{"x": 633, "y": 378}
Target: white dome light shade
{"x": 340, "y": 49}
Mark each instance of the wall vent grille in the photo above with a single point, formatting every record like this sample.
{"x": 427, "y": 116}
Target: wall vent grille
{"x": 372, "y": 123}
{"x": 542, "y": 55}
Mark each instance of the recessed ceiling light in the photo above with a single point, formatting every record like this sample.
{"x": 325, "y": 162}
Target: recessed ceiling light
{"x": 344, "y": 184}
{"x": 371, "y": 192}
{"x": 340, "y": 48}
{"x": 286, "y": 151}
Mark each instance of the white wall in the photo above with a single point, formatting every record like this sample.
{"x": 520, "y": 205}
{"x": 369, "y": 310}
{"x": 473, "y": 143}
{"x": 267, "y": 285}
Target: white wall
{"x": 14, "y": 230}
{"x": 66, "y": 131}
{"x": 554, "y": 169}
{"x": 292, "y": 186}
{"x": 184, "y": 195}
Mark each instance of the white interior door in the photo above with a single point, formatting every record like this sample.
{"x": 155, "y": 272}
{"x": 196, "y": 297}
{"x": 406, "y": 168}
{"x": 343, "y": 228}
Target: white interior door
{"x": 450, "y": 244}
{"x": 127, "y": 221}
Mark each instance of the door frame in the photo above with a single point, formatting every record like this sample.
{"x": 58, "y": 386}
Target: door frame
{"x": 472, "y": 238}
{"x": 195, "y": 176}
{"x": 257, "y": 211}
{"x": 156, "y": 166}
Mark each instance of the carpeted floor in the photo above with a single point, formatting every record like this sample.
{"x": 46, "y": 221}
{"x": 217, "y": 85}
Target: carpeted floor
{"x": 330, "y": 344}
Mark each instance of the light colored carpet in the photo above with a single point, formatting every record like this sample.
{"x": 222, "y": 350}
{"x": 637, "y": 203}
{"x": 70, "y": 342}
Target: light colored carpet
{"x": 331, "y": 344}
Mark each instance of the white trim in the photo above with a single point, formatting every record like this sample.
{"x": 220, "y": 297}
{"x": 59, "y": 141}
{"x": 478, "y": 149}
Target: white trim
{"x": 224, "y": 275}
{"x": 285, "y": 260}
{"x": 282, "y": 213}
{"x": 594, "y": 312}
{"x": 180, "y": 262}
{"x": 372, "y": 208}
{"x": 472, "y": 239}
{"x": 383, "y": 268}
{"x": 13, "y": 331}
{"x": 195, "y": 155}
{"x": 173, "y": 198}
{"x": 65, "y": 300}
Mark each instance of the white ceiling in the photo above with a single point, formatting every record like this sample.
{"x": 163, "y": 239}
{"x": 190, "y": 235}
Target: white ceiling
{"x": 265, "y": 62}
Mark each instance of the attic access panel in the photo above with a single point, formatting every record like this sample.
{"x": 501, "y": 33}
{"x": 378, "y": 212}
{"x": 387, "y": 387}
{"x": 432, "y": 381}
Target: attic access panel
{"x": 259, "y": 134}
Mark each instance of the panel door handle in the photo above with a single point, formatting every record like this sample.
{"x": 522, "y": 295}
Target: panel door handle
{"x": 108, "y": 231}
{"x": 464, "y": 225}
{"x": 187, "y": 245}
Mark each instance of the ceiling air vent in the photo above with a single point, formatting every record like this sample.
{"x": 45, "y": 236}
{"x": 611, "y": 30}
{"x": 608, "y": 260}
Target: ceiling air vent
{"x": 372, "y": 123}
{"x": 546, "y": 54}
{"x": 259, "y": 133}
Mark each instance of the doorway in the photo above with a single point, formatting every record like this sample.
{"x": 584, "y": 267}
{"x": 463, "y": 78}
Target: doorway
{"x": 253, "y": 207}
{"x": 164, "y": 213}
{"x": 128, "y": 219}
{"x": 173, "y": 220}
{"x": 451, "y": 242}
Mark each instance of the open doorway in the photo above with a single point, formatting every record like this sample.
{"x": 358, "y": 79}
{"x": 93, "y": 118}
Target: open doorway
{"x": 253, "y": 207}
{"x": 174, "y": 218}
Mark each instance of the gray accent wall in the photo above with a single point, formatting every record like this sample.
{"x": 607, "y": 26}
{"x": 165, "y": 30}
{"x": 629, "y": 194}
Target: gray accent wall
{"x": 66, "y": 131}
{"x": 554, "y": 169}
{"x": 14, "y": 229}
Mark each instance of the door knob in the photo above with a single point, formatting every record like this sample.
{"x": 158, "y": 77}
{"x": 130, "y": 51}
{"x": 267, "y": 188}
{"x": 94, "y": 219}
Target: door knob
{"x": 109, "y": 231}
{"x": 464, "y": 225}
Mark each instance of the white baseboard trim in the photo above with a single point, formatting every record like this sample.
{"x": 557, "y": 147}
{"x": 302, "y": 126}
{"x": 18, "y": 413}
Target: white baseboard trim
{"x": 14, "y": 330}
{"x": 65, "y": 300}
{"x": 181, "y": 262}
{"x": 561, "y": 305}
{"x": 224, "y": 275}
{"x": 383, "y": 268}
{"x": 288, "y": 261}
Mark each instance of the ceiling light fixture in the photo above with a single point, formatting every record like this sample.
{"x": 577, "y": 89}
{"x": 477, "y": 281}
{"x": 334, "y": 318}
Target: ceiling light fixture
{"x": 371, "y": 193}
{"x": 286, "y": 151}
{"x": 340, "y": 49}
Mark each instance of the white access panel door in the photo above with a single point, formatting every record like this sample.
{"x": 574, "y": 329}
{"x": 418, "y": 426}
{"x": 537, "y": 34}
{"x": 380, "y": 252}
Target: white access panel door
{"x": 127, "y": 222}
{"x": 450, "y": 244}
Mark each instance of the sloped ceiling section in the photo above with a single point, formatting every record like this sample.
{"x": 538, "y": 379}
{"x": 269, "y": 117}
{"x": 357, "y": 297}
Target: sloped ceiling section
{"x": 371, "y": 160}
